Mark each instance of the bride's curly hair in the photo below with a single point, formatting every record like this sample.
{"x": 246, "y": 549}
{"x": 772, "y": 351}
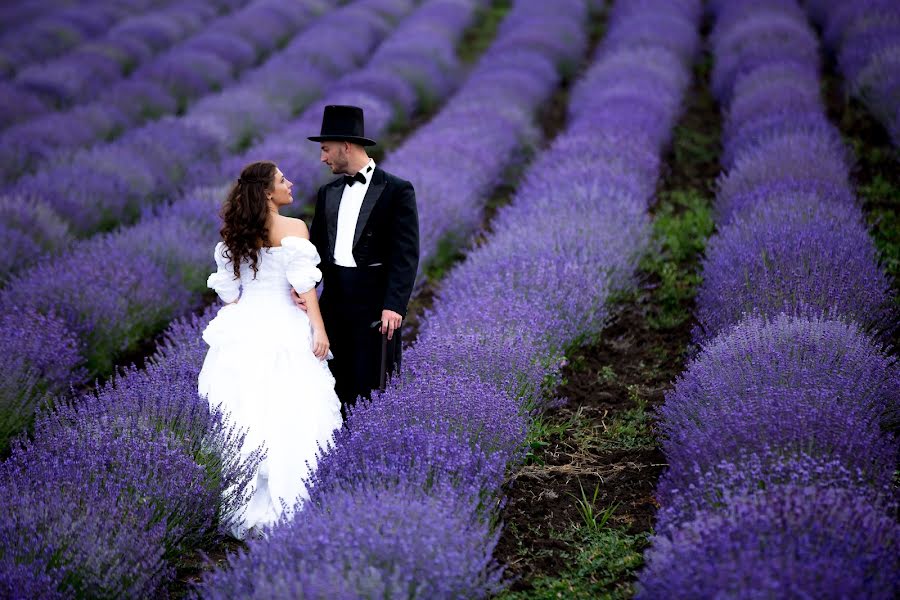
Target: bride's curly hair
{"x": 245, "y": 215}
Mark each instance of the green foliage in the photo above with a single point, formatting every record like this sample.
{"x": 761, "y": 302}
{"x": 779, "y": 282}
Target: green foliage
{"x": 606, "y": 374}
{"x": 479, "y": 37}
{"x": 682, "y": 225}
{"x": 602, "y": 565}
{"x": 448, "y": 253}
{"x": 691, "y": 146}
{"x": 588, "y": 510}
{"x": 630, "y": 429}
{"x": 882, "y": 202}
{"x": 542, "y": 432}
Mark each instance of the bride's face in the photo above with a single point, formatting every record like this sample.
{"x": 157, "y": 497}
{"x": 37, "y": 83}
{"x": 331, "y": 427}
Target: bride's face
{"x": 280, "y": 194}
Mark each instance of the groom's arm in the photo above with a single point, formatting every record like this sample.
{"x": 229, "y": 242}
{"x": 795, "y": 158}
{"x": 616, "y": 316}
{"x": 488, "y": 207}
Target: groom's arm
{"x": 404, "y": 259}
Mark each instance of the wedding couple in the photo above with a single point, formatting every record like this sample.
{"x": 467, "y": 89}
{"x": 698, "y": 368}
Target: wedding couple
{"x": 271, "y": 345}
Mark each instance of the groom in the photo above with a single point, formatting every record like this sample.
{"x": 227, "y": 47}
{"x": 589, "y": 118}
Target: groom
{"x": 366, "y": 229}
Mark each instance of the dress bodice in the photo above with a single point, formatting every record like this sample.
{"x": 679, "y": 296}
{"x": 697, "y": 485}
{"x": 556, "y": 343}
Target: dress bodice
{"x": 293, "y": 264}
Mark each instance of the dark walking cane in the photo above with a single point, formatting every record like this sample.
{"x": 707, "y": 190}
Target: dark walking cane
{"x": 383, "y": 371}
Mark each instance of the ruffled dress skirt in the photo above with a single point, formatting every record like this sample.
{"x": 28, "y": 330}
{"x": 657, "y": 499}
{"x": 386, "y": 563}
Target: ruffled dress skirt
{"x": 261, "y": 371}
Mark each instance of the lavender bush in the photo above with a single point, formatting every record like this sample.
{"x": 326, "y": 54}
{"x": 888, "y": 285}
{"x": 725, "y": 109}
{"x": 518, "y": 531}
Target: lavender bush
{"x": 162, "y": 401}
{"x": 122, "y": 481}
{"x": 27, "y": 228}
{"x": 58, "y": 27}
{"x": 458, "y": 432}
{"x": 87, "y": 513}
{"x": 814, "y": 155}
{"x": 44, "y": 357}
{"x": 392, "y": 541}
{"x": 109, "y": 292}
{"x": 155, "y": 162}
{"x": 789, "y": 541}
{"x": 69, "y": 78}
{"x": 793, "y": 254}
{"x": 865, "y": 37}
{"x": 727, "y": 206}
{"x": 718, "y": 486}
{"x": 776, "y": 387}
{"x": 164, "y": 85}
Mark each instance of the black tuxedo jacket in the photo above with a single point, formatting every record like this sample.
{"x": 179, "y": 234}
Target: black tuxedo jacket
{"x": 387, "y": 232}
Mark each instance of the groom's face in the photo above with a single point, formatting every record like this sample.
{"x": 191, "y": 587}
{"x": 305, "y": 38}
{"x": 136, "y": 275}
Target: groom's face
{"x": 336, "y": 156}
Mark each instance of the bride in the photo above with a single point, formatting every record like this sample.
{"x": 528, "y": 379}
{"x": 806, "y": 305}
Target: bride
{"x": 266, "y": 363}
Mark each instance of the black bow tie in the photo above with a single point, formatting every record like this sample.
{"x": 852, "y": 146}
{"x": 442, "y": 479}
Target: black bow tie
{"x": 348, "y": 180}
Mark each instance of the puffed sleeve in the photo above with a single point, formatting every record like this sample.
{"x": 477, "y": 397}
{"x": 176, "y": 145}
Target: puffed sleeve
{"x": 302, "y": 258}
{"x": 227, "y": 287}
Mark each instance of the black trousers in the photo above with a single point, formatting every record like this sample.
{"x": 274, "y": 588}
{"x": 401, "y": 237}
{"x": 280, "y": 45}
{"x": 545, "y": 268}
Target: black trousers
{"x": 352, "y": 300}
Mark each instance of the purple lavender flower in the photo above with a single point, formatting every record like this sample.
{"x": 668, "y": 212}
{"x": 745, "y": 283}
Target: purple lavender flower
{"x": 53, "y": 33}
{"x": 763, "y": 129}
{"x": 375, "y": 541}
{"x": 111, "y": 293}
{"x": 806, "y": 155}
{"x": 866, "y": 38}
{"x": 444, "y": 429}
{"x": 29, "y": 229}
{"x": 748, "y": 472}
{"x": 793, "y": 254}
{"x": 32, "y": 372}
{"x": 801, "y": 51}
{"x": 779, "y": 387}
{"x": 28, "y": 144}
{"x": 727, "y": 207}
{"x": 639, "y": 23}
{"x": 139, "y": 99}
{"x": 162, "y": 401}
{"x": 93, "y": 512}
{"x": 19, "y": 104}
{"x": 188, "y": 73}
{"x": 787, "y": 541}
{"x": 779, "y": 86}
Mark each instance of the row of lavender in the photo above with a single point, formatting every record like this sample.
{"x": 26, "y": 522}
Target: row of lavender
{"x": 865, "y": 38}
{"x": 401, "y": 506}
{"x": 777, "y": 435}
{"x": 108, "y": 294}
{"x": 202, "y": 54}
{"x": 78, "y": 191}
{"x": 149, "y": 473}
{"x": 85, "y": 70}
{"x": 37, "y": 30}
{"x": 105, "y": 185}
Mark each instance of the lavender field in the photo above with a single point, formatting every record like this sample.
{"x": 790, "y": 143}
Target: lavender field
{"x": 652, "y": 346}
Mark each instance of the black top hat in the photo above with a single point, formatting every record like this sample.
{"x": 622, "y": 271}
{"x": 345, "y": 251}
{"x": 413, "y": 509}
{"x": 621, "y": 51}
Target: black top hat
{"x": 343, "y": 124}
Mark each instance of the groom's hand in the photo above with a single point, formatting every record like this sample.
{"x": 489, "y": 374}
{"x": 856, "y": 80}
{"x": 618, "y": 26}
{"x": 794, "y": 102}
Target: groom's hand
{"x": 300, "y": 302}
{"x": 390, "y": 322}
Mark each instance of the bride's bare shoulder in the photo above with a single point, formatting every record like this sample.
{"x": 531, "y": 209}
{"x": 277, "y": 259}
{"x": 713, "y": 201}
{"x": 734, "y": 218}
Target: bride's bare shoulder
{"x": 292, "y": 226}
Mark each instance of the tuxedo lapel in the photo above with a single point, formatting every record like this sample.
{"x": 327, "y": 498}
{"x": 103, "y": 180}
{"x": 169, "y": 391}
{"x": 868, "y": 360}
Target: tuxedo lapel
{"x": 332, "y": 203}
{"x": 372, "y": 194}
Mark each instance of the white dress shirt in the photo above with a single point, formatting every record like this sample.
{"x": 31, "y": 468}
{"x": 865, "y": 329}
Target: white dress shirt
{"x": 348, "y": 214}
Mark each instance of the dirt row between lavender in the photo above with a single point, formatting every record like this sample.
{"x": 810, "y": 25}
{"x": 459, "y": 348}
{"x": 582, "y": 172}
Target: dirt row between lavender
{"x": 579, "y": 512}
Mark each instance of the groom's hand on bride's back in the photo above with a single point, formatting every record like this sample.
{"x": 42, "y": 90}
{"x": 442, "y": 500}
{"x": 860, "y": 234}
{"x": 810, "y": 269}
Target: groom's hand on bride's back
{"x": 300, "y": 302}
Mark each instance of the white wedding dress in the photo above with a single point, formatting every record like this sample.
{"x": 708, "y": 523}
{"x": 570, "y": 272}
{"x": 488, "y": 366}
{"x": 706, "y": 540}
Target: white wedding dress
{"x": 261, "y": 370}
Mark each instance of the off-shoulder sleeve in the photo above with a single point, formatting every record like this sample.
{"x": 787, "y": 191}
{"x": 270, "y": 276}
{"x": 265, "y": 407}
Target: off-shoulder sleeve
{"x": 302, "y": 258}
{"x": 227, "y": 287}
